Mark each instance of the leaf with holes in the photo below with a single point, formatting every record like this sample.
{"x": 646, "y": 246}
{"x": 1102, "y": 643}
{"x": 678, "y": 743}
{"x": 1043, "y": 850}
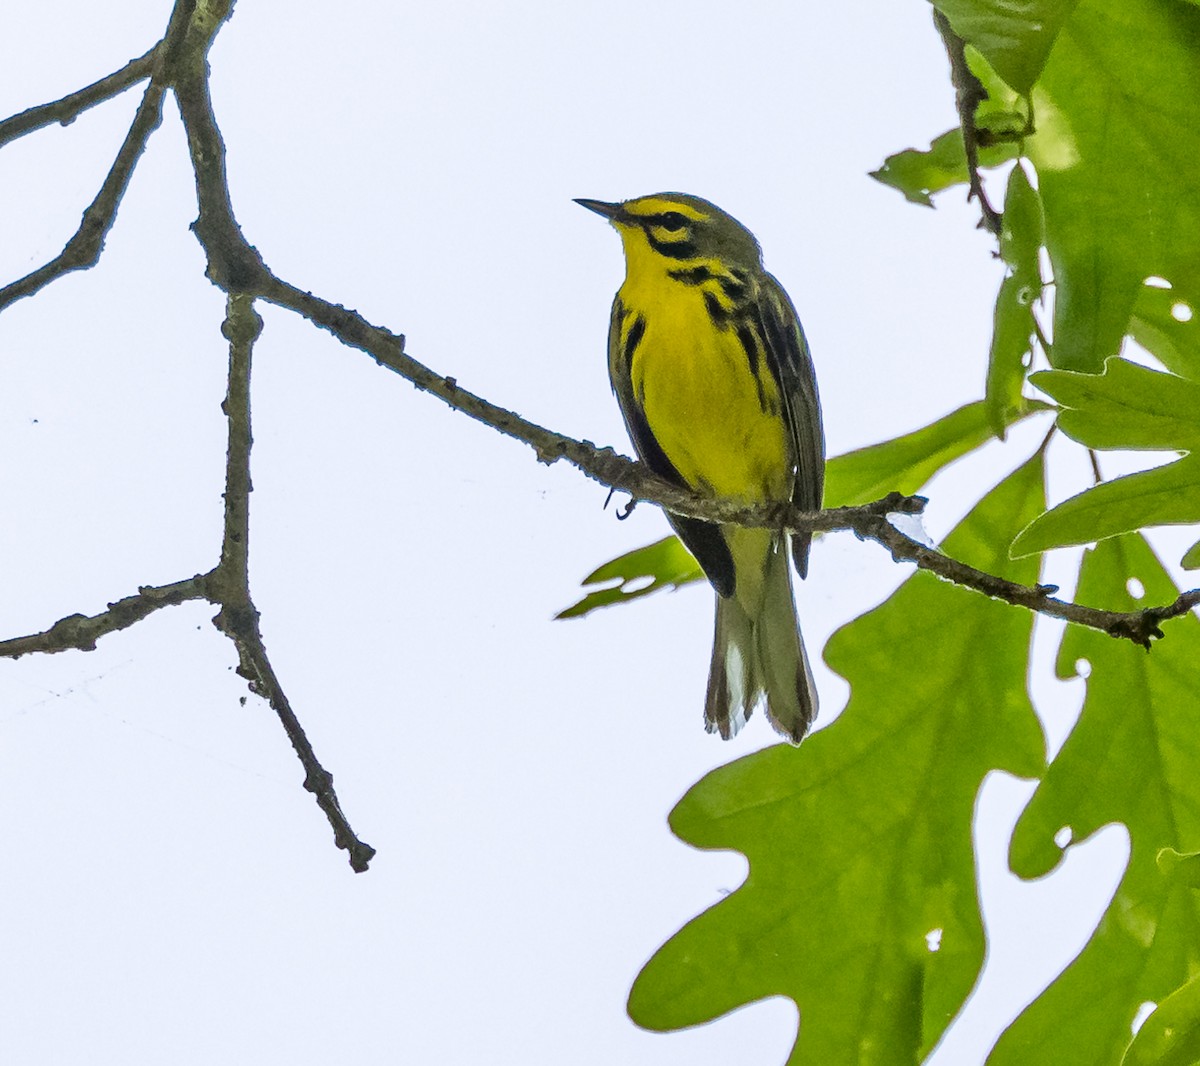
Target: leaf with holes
{"x": 1134, "y": 758}
{"x": 664, "y": 564}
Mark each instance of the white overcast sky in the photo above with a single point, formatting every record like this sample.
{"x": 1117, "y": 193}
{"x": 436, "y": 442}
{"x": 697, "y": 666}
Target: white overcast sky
{"x": 170, "y": 893}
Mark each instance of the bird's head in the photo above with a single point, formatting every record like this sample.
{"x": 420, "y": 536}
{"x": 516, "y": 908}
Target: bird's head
{"x": 668, "y": 230}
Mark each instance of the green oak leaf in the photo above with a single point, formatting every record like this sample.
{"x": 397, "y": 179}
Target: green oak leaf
{"x": 1132, "y": 758}
{"x": 664, "y": 564}
{"x": 1012, "y": 343}
{"x": 1128, "y": 406}
{"x": 1117, "y": 137}
{"x": 1015, "y": 35}
{"x": 861, "y": 903}
{"x": 1165, "y": 496}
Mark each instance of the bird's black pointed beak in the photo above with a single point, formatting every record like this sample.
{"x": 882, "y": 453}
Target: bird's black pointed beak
{"x": 609, "y": 211}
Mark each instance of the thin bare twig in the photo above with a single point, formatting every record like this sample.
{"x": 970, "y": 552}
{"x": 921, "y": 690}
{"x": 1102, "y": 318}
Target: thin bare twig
{"x": 70, "y": 107}
{"x": 969, "y": 93}
{"x": 83, "y": 250}
{"x": 229, "y": 584}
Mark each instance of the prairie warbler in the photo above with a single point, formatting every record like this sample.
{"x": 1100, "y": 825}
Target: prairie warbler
{"x": 715, "y": 382}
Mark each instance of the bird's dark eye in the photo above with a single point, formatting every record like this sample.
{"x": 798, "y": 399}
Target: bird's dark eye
{"x": 672, "y": 221}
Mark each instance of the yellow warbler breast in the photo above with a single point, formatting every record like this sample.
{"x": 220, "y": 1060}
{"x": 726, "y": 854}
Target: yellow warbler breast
{"x": 706, "y": 392}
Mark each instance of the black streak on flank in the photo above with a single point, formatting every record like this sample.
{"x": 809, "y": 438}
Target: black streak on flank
{"x": 632, "y": 339}
{"x": 753, "y": 350}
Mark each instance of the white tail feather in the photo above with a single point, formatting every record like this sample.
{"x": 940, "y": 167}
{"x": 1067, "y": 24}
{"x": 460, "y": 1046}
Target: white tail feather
{"x": 757, "y": 647}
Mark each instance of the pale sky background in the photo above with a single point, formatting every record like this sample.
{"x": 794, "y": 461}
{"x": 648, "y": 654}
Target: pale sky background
{"x": 170, "y": 893}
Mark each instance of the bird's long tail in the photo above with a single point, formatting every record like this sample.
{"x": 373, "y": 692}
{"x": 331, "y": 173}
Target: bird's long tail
{"x": 758, "y": 650}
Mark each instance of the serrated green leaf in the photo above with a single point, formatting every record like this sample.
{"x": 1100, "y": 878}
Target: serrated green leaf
{"x": 1015, "y": 35}
{"x": 1133, "y": 758}
{"x": 1171, "y": 1035}
{"x": 1166, "y": 322}
{"x": 859, "y": 841}
{"x": 664, "y": 564}
{"x": 1117, "y": 137}
{"x": 905, "y": 464}
{"x": 1128, "y": 406}
{"x": 1165, "y": 496}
